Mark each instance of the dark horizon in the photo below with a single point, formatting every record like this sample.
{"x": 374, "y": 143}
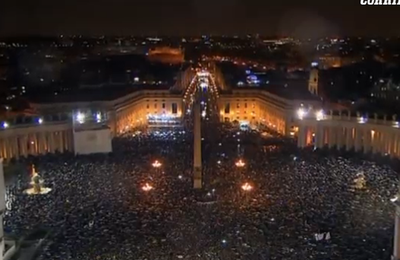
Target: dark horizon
{"x": 185, "y": 18}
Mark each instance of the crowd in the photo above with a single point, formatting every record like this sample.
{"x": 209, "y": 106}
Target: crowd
{"x": 300, "y": 204}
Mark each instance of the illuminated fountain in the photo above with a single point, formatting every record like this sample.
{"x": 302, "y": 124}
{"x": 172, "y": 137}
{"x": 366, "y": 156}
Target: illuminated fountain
{"x": 36, "y": 183}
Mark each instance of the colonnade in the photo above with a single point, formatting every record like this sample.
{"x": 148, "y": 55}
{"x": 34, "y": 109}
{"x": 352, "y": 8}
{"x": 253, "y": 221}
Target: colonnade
{"x": 368, "y": 138}
{"x": 16, "y": 143}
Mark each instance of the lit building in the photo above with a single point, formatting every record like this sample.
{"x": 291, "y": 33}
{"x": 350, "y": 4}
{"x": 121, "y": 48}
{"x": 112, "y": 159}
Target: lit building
{"x": 282, "y": 109}
{"x": 371, "y": 134}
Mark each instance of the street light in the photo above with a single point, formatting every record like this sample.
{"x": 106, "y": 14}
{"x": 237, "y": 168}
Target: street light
{"x": 247, "y": 187}
{"x": 156, "y": 164}
{"x": 240, "y": 163}
{"x": 147, "y": 187}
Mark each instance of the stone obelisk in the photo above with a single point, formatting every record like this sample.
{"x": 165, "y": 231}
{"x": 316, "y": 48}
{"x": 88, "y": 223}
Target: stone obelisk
{"x": 197, "y": 171}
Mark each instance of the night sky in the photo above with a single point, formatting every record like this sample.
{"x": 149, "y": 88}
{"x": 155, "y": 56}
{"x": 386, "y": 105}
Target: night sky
{"x": 192, "y": 17}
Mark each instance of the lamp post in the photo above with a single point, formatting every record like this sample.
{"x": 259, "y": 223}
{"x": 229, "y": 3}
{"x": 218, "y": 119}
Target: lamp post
{"x": 147, "y": 187}
{"x": 156, "y": 164}
{"x": 240, "y": 164}
{"x": 246, "y": 188}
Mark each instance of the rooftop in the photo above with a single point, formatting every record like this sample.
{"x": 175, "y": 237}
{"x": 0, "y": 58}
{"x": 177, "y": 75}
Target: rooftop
{"x": 100, "y": 93}
{"x": 291, "y": 89}
{"x": 287, "y": 89}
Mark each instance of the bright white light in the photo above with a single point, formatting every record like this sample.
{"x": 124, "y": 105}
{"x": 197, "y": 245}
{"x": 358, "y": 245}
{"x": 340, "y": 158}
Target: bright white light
{"x": 203, "y": 74}
{"x": 319, "y": 115}
{"x": 394, "y": 199}
{"x": 203, "y": 114}
{"x": 5, "y": 124}
{"x": 80, "y": 117}
{"x": 180, "y": 177}
{"x": 40, "y": 121}
{"x": 362, "y": 120}
{"x": 301, "y": 113}
{"x": 219, "y": 162}
{"x": 203, "y": 85}
{"x": 98, "y": 117}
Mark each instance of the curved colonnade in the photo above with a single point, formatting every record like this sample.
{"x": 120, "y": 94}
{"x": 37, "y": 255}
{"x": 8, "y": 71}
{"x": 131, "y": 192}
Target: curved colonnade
{"x": 49, "y": 134}
{"x": 351, "y": 131}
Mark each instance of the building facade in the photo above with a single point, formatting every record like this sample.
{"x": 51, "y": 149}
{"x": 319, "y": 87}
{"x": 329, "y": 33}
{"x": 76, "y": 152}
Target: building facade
{"x": 52, "y": 130}
{"x": 351, "y": 131}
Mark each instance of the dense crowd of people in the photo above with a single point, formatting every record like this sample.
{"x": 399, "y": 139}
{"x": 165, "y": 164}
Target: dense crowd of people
{"x": 298, "y": 204}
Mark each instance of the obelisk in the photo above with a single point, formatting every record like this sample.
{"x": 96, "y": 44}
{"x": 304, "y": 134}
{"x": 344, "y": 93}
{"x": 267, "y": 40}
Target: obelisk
{"x": 197, "y": 172}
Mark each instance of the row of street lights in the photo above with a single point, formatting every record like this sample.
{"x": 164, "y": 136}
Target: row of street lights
{"x": 147, "y": 187}
{"x": 156, "y": 164}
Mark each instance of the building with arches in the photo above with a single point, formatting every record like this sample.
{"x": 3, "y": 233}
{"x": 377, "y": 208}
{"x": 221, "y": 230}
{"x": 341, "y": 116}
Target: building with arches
{"x": 298, "y": 115}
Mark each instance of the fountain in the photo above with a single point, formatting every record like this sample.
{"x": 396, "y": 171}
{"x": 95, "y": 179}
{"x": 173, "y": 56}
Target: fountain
{"x": 37, "y": 184}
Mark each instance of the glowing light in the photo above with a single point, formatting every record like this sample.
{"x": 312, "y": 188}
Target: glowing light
{"x": 203, "y": 114}
{"x": 156, "y": 164}
{"x": 394, "y": 199}
{"x": 98, "y": 117}
{"x": 80, "y": 117}
{"x": 203, "y": 74}
{"x": 247, "y": 187}
{"x": 147, "y": 187}
{"x": 301, "y": 113}
{"x": 362, "y": 120}
{"x": 5, "y": 125}
{"x": 40, "y": 121}
{"x": 319, "y": 115}
{"x": 240, "y": 163}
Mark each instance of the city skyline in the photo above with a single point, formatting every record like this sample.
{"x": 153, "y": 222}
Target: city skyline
{"x": 121, "y": 17}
